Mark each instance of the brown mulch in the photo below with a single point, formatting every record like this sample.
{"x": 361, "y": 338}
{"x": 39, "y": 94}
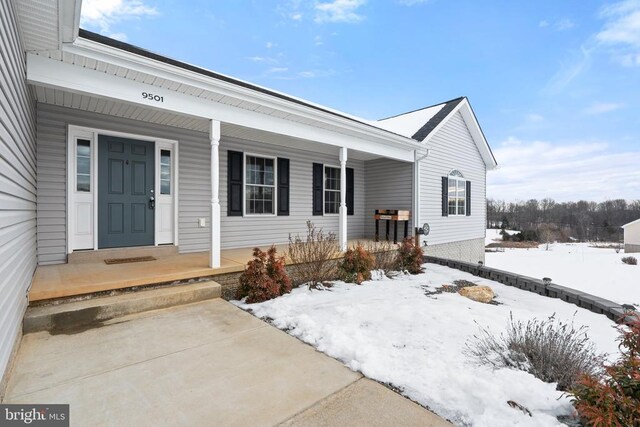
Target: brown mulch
{"x": 516, "y": 245}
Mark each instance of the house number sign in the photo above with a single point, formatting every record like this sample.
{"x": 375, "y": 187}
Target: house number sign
{"x": 152, "y": 97}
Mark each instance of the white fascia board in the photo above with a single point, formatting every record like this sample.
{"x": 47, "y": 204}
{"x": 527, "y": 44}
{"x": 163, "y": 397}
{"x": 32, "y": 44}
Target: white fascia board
{"x": 69, "y": 20}
{"x": 51, "y": 73}
{"x": 474, "y": 130}
{"x": 631, "y": 223}
{"x": 118, "y": 57}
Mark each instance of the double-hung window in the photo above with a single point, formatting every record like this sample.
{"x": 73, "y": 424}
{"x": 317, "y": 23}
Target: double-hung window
{"x": 331, "y": 190}
{"x": 260, "y": 185}
{"x": 457, "y": 194}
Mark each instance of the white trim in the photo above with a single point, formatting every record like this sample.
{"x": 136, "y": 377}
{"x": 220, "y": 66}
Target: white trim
{"x": 244, "y": 186}
{"x": 46, "y": 72}
{"x": 172, "y": 147}
{"x": 342, "y": 227}
{"x": 121, "y": 58}
{"x": 631, "y": 223}
{"x": 75, "y": 131}
{"x": 324, "y": 189}
{"x": 457, "y": 179}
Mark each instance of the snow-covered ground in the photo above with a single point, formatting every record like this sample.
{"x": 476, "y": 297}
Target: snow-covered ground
{"x": 493, "y": 235}
{"x": 389, "y": 330}
{"x": 597, "y": 271}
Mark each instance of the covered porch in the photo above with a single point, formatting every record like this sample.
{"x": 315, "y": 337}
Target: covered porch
{"x": 88, "y": 273}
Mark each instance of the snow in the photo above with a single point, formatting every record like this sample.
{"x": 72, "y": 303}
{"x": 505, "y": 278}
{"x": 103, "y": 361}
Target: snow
{"x": 493, "y": 235}
{"x": 598, "y": 271}
{"x": 389, "y": 330}
{"x": 408, "y": 124}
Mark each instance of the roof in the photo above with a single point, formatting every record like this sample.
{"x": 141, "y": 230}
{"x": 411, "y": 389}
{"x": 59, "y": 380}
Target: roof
{"x": 418, "y": 124}
{"x": 637, "y": 221}
{"x": 117, "y": 44}
{"x": 422, "y": 124}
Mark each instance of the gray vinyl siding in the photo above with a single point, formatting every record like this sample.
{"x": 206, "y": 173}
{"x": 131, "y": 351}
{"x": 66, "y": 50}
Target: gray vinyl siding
{"x": 389, "y": 186}
{"x": 17, "y": 184}
{"x": 452, "y": 148}
{"x": 266, "y": 230}
{"x": 194, "y": 187}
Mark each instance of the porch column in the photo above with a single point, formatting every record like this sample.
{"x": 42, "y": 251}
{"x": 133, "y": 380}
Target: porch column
{"x": 342, "y": 233}
{"x": 214, "y": 255}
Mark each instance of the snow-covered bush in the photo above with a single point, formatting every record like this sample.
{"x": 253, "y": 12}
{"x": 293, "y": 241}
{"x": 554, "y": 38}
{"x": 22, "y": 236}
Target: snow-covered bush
{"x": 356, "y": 265}
{"x": 551, "y": 350}
{"x": 313, "y": 257}
{"x": 630, "y": 260}
{"x": 613, "y": 398}
{"x": 264, "y": 278}
{"x": 409, "y": 257}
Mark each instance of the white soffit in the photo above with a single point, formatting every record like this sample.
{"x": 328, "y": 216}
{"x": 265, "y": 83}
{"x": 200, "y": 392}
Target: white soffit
{"x": 38, "y": 21}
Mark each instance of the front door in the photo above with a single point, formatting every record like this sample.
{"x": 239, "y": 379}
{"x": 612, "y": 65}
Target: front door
{"x": 125, "y": 192}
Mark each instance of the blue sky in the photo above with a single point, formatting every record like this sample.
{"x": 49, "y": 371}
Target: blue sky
{"x": 555, "y": 84}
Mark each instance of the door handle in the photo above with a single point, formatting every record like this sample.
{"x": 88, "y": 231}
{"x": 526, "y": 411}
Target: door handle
{"x": 152, "y": 202}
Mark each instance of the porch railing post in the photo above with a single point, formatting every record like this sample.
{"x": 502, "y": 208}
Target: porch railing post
{"x": 214, "y": 256}
{"x": 342, "y": 233}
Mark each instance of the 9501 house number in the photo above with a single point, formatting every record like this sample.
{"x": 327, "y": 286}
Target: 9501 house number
{"x": 152, "y": 97}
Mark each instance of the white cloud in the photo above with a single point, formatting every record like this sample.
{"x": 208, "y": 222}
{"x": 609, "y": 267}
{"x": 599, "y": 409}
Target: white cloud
{"x": 338, "y": 11}
{"x": 564, "y": 24}
{"x": 621, "y": 31}
{"x": 563, "y": 171}
{"x": 102, "y": 14}
{"x": 270, "y": 45}
{"x": 602, "y": 107}
{"x": 544, "y": 23}
{"x": 534, "y": 118}
{"x": 277, "y": 70}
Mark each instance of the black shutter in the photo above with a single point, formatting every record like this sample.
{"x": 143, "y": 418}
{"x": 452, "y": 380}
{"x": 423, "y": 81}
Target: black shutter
{"x": 468, "y": 202}
{"x": 283, "y": 186}
{"x": 318, "y": 175}
{"x": 235, "y": 172}
{"x": 445, "y": 196}
{"x": 350, "y": 192}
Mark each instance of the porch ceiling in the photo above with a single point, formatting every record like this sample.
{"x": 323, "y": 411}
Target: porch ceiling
{"x": 118, "y": 108}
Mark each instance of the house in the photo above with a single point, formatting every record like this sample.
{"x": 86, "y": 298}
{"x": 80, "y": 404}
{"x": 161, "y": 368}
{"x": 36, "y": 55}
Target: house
{"x": 632, "y": 237}
{"x": 107, "y": 145}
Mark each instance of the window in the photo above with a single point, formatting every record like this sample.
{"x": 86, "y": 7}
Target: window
{"x": 457, "y": 193}
{"x": 260, "y": 185}
{"x": 331, "y": 190}
{"x": 165, "y": 172}
{"x": 83, "y": 165}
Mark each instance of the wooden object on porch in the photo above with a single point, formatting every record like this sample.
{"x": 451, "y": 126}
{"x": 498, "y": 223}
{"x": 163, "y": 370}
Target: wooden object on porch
{"x": 395, "y": 216}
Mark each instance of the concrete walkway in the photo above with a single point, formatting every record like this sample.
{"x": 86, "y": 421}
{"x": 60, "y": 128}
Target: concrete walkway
{"x": 206, "y": 363}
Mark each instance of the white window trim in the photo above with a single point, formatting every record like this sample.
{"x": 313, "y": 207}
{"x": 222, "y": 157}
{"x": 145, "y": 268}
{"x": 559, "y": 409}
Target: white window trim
{"x": 464, "y": 181}
{"x": 83, "y": 132}
{"x": 244, "y": 186}
{"x": 324, "y": 190}
{"x": 171, "y": 146}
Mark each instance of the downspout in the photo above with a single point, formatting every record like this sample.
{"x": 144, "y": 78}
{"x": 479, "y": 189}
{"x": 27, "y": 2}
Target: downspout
{"x": 417, "y": 223}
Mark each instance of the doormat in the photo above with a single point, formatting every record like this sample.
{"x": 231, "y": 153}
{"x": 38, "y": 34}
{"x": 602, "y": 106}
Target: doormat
{"x": 128, "y": 260}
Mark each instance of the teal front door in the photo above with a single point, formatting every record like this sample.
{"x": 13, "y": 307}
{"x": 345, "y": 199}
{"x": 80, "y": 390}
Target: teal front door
{"x": 126, "y": 185}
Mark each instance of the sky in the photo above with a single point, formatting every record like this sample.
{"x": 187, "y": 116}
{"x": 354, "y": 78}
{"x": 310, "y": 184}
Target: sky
{"x": 555, "y": 84}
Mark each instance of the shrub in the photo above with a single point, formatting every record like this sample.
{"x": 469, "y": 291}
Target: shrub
{"x": 630, "y": 260}
{"x": 313, "y": 257}
{"x": 264, "y": 278}
{"x": 550, "y": 350}
{"x": 384, "y": 255}
{"x": 613, "y": 397}
{"x": 356, "y": 265}
{"x": 409, "y": 257}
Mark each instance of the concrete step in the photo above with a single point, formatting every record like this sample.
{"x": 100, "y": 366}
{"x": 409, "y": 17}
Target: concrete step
{"x": 90, "y": 256}
{"x": 82, "y": 315}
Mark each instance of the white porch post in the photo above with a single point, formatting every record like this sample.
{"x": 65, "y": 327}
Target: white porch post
{"x": 214, "y": 256}
{"x": 342, "y": 234}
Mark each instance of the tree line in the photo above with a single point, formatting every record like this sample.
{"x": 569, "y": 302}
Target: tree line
{"x": 582, "y": 220}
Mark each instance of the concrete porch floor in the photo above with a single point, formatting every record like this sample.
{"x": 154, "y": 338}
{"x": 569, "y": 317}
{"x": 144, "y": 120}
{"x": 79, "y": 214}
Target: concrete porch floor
{"x": 207, "y": 363}
{"x": 71, "y": 279}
